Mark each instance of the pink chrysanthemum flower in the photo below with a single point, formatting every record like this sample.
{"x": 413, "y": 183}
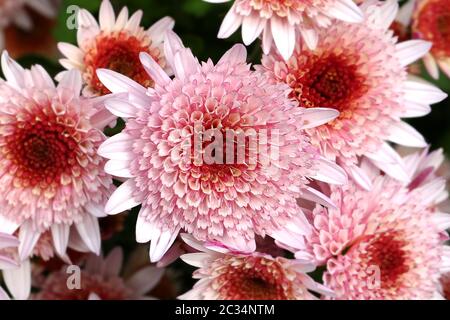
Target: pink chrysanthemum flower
{"x": 225, "y": 275}
{"x": 100, "y": 280}
{"x": 180, "y": 189}
{"x": 114, "y": 44}
{"x": 14, "y": 11}
{"x": 430, "y": 21}
{"x": 359, "y": 69}
{"x": 51, "y": 177}
{"x": 282, "y": 21}
{"x": 387, "y": 243}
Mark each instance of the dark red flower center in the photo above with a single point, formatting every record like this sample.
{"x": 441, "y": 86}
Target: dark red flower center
{"x": 253, "y": 279}
{"x": 42, "y": 152}
{"x": 433, "y": 24}
{"x": 386, "y": 251}
{"x": 119, "y": 53}
{"x": 330, "y": 81}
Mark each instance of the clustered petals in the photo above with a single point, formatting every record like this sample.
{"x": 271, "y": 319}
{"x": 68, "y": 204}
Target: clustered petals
{"x": 228, "y": 276}
{"x": 281, "y": 21}
{"x": 113, "y": 44}
{"x": 359, "y": 69}
{"x": 431, "y": 22}
{"x": 276, "y": 181}
{"x": 230, "y": 201}
{"x": 387, "y": 243}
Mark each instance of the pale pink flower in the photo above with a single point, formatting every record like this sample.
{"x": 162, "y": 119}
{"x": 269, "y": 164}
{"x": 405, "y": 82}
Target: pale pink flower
{"x": 114, "y": 44}
{"x": 224, "y": 202}
{"x": 387, "y": 243}
{"x": 101, "y": 279}
{"x": 430, "y": 21}
{"x": 227, "y": 275}
{"x": 282, "y": 21}
{"x": 51, "y": 178}
{"x": 14, "y": 12}
{"x": 360, "y": 70}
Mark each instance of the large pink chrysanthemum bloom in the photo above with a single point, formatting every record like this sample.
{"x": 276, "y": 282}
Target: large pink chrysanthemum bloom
{"x": 51, "y": 176}
{"x": 14, "y": 11}
{"x": 225, "y": 275}
{"x": 114, "y": 44}
{"x": 101, "y": 279}
{"x": 228, "y": 201}
{"x": 430, "y": 21}
{"x": 283, "y": 21}
{"x": 360, "y": 70}
{"x": 387, "y": 243}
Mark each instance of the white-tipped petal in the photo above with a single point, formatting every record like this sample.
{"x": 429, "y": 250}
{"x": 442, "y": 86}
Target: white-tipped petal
{"x": 316, "y": 196}
{"x": 28, "y": 238}
{"x": 144, "y": 228}
{"x": 431, "y": 66}
{"x": 13, "y": 72}
{"x": 360, "y": 177}
{"x": 310, "y": 37}
{"x": 411, "y": 50}
{"x": 252, "y": 26}
{"x": 121, "y": 108}
{"x": 329, "y": 172}
{"x": 154, "y": 69}
{"x": 161, "y": 243}
{"x": 118, "y": 147}
{"x": 72, "y": 81}
{"x": 60, "y": 235}
{"x": 107, "y": 18}
{"x": 230, "y": 24}
{"x": 118, "y": 83}
{"x": 158, "y": 30}
{"x": 346, "y": 10}
{"x": 237, "y": 54}
{"x": 198, "y": 259}
{"x": 404, "y": 134}
{"x": 314, "y": 117}
{"x": 119, "y": 168}
{"x": 72, "y": 52}
{"x": 122, "y": 199}
{"x": 89, "y": 232}
{"x": 284, "y": 36}
{"x": 414, "y": 109}
{"x": 18, "y": 280}
{"x": 422, "y": 92}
